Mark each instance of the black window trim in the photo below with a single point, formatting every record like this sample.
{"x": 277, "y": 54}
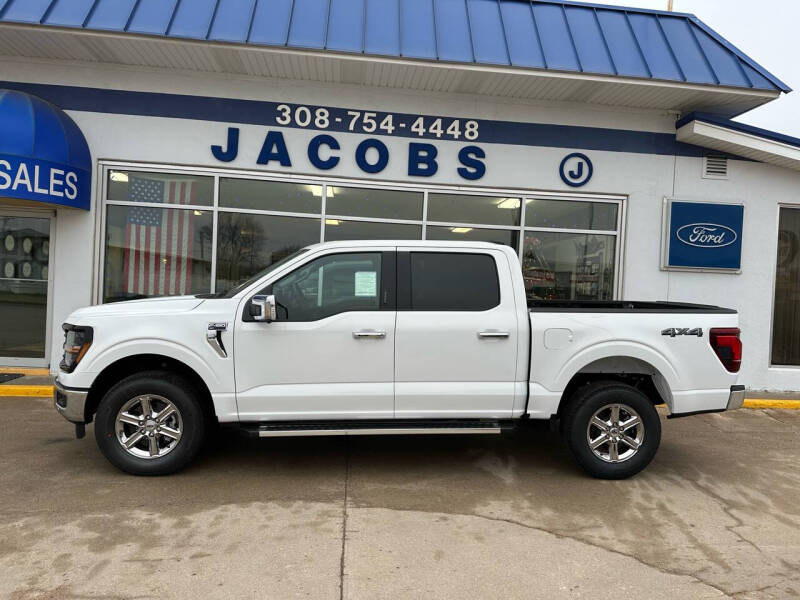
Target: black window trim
{"x": 404, "y": 278}
{"x": 388, "y": 285}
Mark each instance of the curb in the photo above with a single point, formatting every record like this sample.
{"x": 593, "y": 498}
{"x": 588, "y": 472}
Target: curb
{"x": 46, "y": 391}
{"x": 34, "y": 391}
{"x": 766, "y": 403}
{"x": 26, "y": 370}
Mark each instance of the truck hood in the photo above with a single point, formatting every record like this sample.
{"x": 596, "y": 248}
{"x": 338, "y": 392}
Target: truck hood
{"x": 147, "y": 306}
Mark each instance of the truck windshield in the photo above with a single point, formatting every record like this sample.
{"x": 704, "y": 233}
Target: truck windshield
{"x": 238, "y": 288}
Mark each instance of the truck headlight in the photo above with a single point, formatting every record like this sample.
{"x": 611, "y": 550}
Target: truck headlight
{"x": 77, "y": 340}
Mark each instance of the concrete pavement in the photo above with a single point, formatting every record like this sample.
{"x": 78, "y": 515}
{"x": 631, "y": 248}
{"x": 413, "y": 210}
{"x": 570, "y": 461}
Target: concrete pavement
{"x": 717, "y": 514}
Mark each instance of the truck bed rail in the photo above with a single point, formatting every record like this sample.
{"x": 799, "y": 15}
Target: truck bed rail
{"x": 623, "y": 306}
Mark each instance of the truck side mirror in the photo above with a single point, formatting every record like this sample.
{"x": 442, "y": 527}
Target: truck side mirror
{"x": 263, "y": 308}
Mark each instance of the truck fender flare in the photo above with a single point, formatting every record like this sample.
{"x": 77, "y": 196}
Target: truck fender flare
{"x": 151, "y": 346}
{"x": 627, "y": 349}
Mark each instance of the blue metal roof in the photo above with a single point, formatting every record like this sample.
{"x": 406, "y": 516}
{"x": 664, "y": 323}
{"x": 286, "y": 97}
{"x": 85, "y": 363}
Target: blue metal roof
{"x": 535, "y": 34}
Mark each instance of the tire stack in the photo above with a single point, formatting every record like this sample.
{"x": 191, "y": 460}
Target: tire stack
{"x": 25, "y": 255}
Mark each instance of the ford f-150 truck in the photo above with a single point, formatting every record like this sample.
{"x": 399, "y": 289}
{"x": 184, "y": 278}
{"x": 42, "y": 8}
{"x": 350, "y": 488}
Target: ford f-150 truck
{"x": 392, "y": 337}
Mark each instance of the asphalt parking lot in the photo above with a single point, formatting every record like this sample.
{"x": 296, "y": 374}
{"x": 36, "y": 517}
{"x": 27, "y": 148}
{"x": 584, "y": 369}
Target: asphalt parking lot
{"x": 716, "y": 514}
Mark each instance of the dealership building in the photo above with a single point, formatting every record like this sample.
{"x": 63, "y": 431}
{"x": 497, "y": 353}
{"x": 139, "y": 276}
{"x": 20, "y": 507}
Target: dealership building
{"x": 157, "y": 147}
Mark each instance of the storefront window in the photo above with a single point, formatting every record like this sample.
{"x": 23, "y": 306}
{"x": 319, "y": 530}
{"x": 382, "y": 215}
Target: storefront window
{"x": 489, "y": 210}
{"x": 248, "y": 243}
{"x": 786, "y": 317}
{"x": 24, "y": 260}
{"x": 568, "y": 266}
{"x": 378, "y": 203}
{"x": 567, "y": 214}
{"x": 270, "y": 195}
{"x": 244, "y": 224}
{"x": 160, "y": 188}
{"x": 509, "y": 237}
{"x": 156, "y": 252}
{"x": 338, "y": 229}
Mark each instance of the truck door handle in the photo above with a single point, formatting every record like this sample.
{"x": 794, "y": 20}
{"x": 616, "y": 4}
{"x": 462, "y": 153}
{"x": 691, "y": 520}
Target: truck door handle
{"x": 493, "y": 334}
{"x": 369, "y": 333}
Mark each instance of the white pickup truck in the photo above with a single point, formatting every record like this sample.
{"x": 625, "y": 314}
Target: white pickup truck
{"x": 392, "y": 337}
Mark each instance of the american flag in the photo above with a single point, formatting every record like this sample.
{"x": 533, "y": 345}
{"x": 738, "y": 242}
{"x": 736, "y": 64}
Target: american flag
{"x": 158, "y": 243}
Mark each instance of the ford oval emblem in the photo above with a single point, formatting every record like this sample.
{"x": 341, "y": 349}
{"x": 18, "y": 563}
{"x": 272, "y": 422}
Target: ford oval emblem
{"x": 706, "y": 235}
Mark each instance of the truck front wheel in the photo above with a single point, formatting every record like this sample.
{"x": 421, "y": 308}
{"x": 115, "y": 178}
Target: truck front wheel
{"x": 613, "y": 429}
{"x": 150, "y": 424}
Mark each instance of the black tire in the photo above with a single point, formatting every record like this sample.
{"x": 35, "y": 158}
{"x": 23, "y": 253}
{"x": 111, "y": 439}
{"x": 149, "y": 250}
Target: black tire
{"x": 163, "y": 384}
{"x": 602, "y": 395}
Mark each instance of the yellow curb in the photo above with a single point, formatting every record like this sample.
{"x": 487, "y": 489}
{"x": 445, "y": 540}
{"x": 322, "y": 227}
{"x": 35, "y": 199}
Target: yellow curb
{"x": 25, "y": 370}
{"x": 37, "y": 391}
{"x": 766, "y": 403}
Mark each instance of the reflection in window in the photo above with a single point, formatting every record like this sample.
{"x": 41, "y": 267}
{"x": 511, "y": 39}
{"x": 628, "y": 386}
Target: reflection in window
{"x": 24, "y": 261}
{"x": 473, "y": 209}
{"x": 566, "y": 214}
{"x": 248, "y": 243}
{"x": 382, "y": 204}
{"x": 470, "y": 234}
{"x": 328, "y": 286}
{"x": 156, "y": 252}
{"x": 568, "y": 266}
{"x": 337, "y": 230}
{"x": 270, "y": 195}
{"x": 161, "y": 188}
{"x": 786, "y": 317}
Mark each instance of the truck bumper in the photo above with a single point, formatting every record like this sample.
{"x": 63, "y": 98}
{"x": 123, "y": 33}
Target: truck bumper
{"x": 736, "y": 398}
{"x": 70, "y": 402}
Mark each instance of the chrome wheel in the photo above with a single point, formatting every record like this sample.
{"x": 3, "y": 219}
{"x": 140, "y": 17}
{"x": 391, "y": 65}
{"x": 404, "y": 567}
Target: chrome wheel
{"x": 149, "y": 426}
{"x": 615, "y": 433}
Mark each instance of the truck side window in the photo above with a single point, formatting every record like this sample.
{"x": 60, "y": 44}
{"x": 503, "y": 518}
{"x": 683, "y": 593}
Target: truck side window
{"x": 453, "y": 281}
{"x": 330, "y": 285}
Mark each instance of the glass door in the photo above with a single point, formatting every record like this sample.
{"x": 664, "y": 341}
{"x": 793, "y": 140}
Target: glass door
{"x": 24, "y": 277}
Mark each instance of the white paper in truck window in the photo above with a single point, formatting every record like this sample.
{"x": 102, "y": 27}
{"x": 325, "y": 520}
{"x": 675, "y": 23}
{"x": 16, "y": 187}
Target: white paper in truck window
{"x": 366, "y": 283}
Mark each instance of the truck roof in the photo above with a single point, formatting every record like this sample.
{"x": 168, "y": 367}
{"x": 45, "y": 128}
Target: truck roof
{"x": 413, "y": 243}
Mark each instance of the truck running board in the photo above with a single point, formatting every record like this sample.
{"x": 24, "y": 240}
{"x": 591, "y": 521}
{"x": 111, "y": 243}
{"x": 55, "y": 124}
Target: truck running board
{"x": 292, "y": 429}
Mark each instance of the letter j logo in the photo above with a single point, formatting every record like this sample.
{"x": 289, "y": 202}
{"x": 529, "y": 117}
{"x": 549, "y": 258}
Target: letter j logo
{"x": 576, "y": 169}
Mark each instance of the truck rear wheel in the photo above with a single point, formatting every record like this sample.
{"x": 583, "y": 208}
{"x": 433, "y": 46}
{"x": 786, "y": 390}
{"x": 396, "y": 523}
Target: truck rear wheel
{"x": 150, "y": 424}
{"x": 613, "y": 429}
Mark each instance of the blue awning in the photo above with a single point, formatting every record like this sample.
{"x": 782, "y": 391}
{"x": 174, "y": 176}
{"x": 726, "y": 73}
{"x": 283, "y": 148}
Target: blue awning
{"x": 43, "y": 155}
{"x": 545, "y": 35}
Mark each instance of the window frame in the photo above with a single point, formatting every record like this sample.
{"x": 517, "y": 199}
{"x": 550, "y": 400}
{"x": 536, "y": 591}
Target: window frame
{"x": 105, "y": 166}
{"x": 404, "y": 283}
{"x": 387, "y": 286}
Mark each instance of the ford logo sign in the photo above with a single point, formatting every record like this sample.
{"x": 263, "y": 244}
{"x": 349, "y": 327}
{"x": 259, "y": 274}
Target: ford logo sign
{"x": 706, "y": 235}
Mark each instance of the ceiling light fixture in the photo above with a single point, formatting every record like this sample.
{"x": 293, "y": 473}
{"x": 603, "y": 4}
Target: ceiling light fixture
{"x": 508, "y": 203}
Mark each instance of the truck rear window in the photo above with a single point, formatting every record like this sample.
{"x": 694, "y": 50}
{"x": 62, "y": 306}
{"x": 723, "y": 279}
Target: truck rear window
{"x": 453, "y": 281}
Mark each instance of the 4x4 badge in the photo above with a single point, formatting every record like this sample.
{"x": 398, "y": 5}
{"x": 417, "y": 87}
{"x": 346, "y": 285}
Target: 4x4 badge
{"x": 673, "y": 331}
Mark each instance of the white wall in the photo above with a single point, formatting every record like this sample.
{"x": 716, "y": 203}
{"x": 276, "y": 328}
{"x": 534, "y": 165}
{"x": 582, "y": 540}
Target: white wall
{"x": 645, "y": 179}
{"x": 761, "y": 188}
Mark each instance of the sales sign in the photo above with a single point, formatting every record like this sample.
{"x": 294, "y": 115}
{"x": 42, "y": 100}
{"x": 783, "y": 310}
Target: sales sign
{"x": 703, "y": 235}
{"x": 44, "y": 181}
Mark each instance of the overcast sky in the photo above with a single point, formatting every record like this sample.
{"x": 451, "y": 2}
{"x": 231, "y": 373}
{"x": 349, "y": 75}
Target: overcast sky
{"x": 765, "y": 30}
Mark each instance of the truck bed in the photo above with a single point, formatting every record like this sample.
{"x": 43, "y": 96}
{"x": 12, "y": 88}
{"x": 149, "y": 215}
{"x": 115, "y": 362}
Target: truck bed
{"x": 623, "y": 306}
